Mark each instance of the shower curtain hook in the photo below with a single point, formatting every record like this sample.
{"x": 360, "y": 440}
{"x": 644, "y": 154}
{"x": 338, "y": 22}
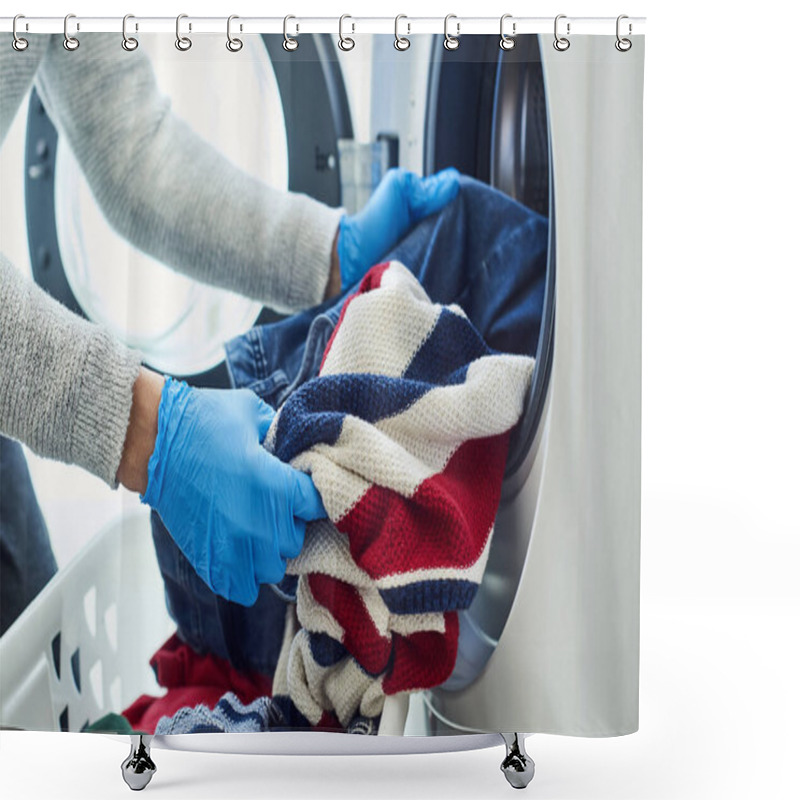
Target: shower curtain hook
{"x": 129, "y": 43}
{"x": 507, "y": 42}
{"x": 183, "y": 43}
{"x": 19, "y": 44}
{"x": 345, "y": 42}
{"x": 400, "y": 42}
{"x": 233, "y": 44}
{"x": 451, "y": 42}
{"x": 623, "y": 45}
{"x": 561, "y": 43}
{"x": 70, "y": 42}
{"x": 289, "y": 44}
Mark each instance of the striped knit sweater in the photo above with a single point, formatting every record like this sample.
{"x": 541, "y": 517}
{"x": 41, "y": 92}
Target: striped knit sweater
{"x": 405, "y": 432}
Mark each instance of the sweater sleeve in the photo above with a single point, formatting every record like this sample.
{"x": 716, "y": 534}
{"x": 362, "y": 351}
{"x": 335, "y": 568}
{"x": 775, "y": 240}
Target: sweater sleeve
{"x": 16, "y": 75}
{"x": 66, "y": 385}
{"x": 172, "y": 194}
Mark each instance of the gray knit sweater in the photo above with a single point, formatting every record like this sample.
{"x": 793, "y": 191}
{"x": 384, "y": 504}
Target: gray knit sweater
{"x": 66, "y": 384}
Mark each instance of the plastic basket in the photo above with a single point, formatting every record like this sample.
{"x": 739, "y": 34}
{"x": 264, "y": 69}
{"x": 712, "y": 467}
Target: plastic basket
{"x": 82, "y": 647}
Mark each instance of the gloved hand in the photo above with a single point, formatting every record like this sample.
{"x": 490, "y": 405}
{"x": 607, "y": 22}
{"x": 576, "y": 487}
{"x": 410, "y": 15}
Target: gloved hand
{"x": 400, "y": 201}
{"x": 234, "y": 510}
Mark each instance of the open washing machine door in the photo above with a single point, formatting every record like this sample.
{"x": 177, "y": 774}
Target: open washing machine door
{"x": 288, "y": 136}
{"x": 487, "y": 115}
{"x": 557, "y": 612}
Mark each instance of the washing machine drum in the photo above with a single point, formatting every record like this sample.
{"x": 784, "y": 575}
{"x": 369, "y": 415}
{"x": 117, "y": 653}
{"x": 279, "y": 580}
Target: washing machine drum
{"x": 487, "y": 116}
{"x": 287, "y": 137}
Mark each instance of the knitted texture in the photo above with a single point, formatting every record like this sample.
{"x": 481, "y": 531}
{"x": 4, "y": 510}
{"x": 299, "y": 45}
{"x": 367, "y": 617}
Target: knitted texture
{"x": 67, "y": 385}
{"x": 191, "y": 679}
{"x": 405, "y": 433}
{"x": 230, "y": 715}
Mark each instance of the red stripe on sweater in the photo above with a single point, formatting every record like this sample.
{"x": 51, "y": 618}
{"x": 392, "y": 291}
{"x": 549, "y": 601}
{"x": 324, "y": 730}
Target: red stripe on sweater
{"x": 329, "y": 722}
{"x": 423, "y": 660}
{"x": 445, "y": 524}
{"x": 370, "y": 281}
{"x": 417, "y": 661}
{"x": 361, "y": 638}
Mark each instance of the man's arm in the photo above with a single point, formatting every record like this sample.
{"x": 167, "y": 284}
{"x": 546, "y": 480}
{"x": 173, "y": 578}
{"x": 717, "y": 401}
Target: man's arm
{"x": 72, "y": 393}
{"x": 335, "y": 277}
{"x": 65, "y": 384}
{"x": 140, "y": 438}
{"x": 16, "y": 75}
{"x": 172, "y": 194}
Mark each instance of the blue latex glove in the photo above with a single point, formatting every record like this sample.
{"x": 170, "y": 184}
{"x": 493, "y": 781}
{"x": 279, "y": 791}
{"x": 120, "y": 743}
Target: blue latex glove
{"x": 234, "y": 510}
{"x": 401, "y": 200}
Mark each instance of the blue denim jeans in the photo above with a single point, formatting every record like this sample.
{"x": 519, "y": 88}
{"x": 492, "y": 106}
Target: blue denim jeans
{"x": 484, "y": 252}
{"x": 26, "y": 559}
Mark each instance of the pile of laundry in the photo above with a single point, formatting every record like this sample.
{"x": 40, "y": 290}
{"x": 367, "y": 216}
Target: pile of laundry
{"x": 405, "y": 433}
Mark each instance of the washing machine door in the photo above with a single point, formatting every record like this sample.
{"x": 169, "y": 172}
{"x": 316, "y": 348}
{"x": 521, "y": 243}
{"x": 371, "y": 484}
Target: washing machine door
{"x": 294, "y": 111}
{"x": 487, "y": 116}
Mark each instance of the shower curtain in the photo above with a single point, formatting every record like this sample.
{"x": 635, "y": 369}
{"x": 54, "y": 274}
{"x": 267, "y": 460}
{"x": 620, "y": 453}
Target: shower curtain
{"x": 419, "y": 268}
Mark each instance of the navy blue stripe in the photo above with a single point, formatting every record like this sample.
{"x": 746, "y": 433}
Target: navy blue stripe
{"x": 206, "y": 727}
{"x": 236, "y": 716}
{"x": 445, "y": 356}
{"x": 314, "y": 413}
{"x": 325, "y": 649}
{"x": 430, "y": 596}
{"x": 327, "y": 652}
{"x": 292, "y": 718}
{"x": 287, "y": 588}
{"x": 299, "y": 429}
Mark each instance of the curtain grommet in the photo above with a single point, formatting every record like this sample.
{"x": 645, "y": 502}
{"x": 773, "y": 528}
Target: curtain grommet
{"x": 129, "y": 43}
{"x": 346, "y": 43}
{"x": 290, "y": 44}
{"x": 507, "y": 42}
{"x": 70, "y": 43}
{"x": 451, "y": 42}
{"x": 623, "y": 44}
{"x": 234, "y": 44}
{"x": 561, "y": 43}
{"x": 19, "y": 43}
{"x": 401, "y": 43}
{"x": 182, "y": 43}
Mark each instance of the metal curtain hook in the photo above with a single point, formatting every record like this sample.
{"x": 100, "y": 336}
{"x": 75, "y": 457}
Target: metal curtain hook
{"x": 19, "y": 44}
{"x": 183, "y": 43}
{"x": 70, "y": 42}
{"x": 345, "y": 42}
{"x": 129, "y": 43}
{"x": 451, "y": 42}
{"x": 400, "y": 42}
{"x": 289, "y": 44}
{"x": 623, "y": 45}
{"x": 507, "y": 42}
{"x": 561, "y": 43}
{"x": 233, "y": 44}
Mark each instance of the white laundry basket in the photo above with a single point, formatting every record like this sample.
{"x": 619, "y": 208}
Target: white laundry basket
{"x": 82, "y": 647}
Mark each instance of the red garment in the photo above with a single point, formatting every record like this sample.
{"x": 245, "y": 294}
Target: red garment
{"x": 191, "y": 679}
